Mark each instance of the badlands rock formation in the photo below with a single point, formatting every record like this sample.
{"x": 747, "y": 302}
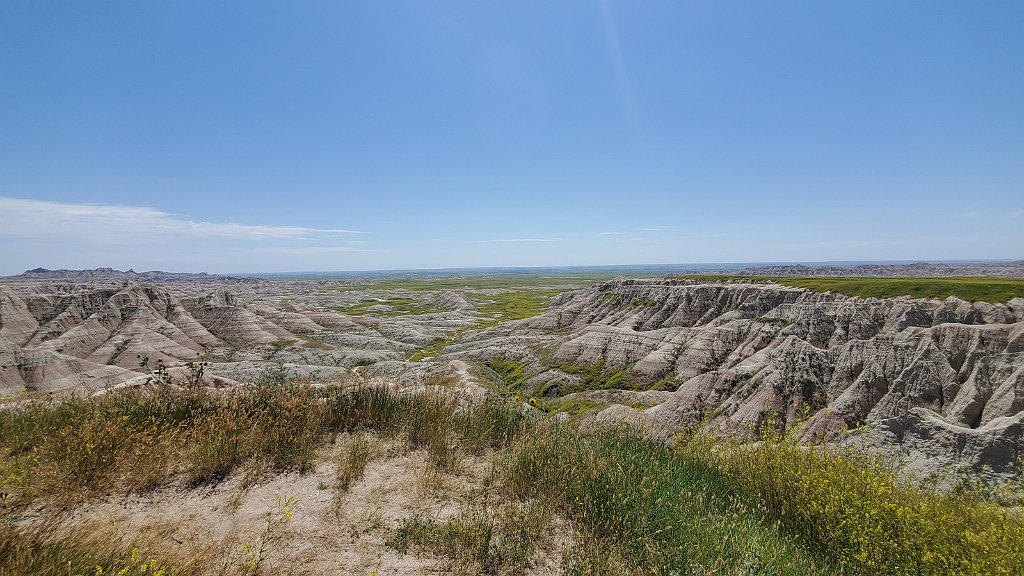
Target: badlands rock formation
{"x": 939, "y": 384}
{"x": 941, "y": 381}
{"x": 83, "y": 331}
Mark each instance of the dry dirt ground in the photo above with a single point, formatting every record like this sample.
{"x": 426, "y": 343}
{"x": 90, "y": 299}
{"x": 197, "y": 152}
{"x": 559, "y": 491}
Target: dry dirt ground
{"x": 324, "y": 530}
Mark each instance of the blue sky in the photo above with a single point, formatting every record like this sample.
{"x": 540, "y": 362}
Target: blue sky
{"x": 284, "y": 136}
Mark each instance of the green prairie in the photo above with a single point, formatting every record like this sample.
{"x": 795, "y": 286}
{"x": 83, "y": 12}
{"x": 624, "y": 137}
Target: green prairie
{"x": 478, "y": 282}
{"x": 971, "y": 288}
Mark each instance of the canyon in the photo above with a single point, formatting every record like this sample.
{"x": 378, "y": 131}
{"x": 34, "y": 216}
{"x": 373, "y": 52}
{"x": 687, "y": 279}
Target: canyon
{"x": 934, "y": 385}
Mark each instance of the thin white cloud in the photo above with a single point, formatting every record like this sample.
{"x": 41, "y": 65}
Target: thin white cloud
{"x": 704, "y": 236}
{"x": 622, "y": 81}
{"x": 307, "y": 250}
{"x": 610, "y": 233}
{"x": 504, "y": 240}
{"x": 40, "y": 218}
{"x": 655, "y": 229}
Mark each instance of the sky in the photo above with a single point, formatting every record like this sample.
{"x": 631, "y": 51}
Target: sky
{"x": 297, "y": 136}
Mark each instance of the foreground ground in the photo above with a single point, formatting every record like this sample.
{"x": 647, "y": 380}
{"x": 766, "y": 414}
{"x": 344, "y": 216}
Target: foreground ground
{"x": 288, "y": 478}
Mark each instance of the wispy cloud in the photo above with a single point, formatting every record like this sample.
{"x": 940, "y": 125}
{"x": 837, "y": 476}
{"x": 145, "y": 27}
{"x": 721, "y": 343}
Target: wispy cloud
{"x": 39, "y": 218}
{"x": 509, "y": 240}
{"x": 655, "y": 229}
{"x": 1018, "y": 214}
{"x": 622, "y": 81}
{"x": 610, "y": 233}
{"x": 704, "y": 236}
{"x": 308, "y": 250}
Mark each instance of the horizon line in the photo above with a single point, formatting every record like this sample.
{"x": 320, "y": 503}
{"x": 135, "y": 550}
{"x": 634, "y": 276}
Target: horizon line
{"x": 807, "y": 263}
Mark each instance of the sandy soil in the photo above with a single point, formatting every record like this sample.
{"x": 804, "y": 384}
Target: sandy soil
{"x": 328, "y": 532}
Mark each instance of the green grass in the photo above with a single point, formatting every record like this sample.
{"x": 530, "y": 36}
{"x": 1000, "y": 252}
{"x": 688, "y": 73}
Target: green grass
{"x": 511, "y": 305}
{"x": 709, "y": 507}
{"x": 493, "y": 309}
{"x": 641, "y": 508}
{"x": 510, "y": 371}
{"x": 574, "y": 407}
{"x": 969, "y": 288}
{"x": 595, "y": 377}
{"x": 434, "y": 348}
{"x": 515, "y": 296}
{"x": 513, "y": 376}
{"x": 480, "y": 541}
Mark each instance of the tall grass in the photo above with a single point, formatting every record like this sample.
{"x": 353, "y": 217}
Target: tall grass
{"x": 73, "y": 448}
{"x": 653, "y": 511}
{"x": 134, "y": 440}
{"x": 21, "y": 555}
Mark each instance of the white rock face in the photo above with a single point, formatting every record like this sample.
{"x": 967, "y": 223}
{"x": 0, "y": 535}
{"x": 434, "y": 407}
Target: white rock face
{"x": 61, "y": 336}
{"x": 929, "y": 447}
{"x": 84, "y": 340}
{"x": 738, "y": 355}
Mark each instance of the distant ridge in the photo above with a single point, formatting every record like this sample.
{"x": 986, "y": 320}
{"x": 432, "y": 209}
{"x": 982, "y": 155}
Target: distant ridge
{"x": 111, "y": 274}
{"x": 1008, "y": 269}
{"x": 1004, "y": 269}
{"x": 999, "y": 268}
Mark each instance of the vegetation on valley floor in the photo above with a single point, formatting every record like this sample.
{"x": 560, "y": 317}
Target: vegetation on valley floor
{"x": 511, "y": 305}
{"x": 435, "y": 347}
{"x": 513, "y": 374}
{"x": 478, "y": 282}
{"x": 593, "y": 376}
{"x": 497, "y": 298}
{"x": 493, "y": 309}
{"x": 628, "y": 505}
